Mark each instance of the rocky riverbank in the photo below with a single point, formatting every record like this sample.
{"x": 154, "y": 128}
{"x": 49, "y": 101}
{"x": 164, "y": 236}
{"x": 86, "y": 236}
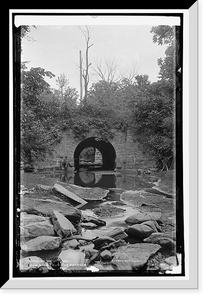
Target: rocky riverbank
{"x": 58, "y": 232}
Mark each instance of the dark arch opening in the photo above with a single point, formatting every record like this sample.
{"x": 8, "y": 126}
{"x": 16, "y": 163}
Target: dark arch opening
{"x": 105, "y": 148}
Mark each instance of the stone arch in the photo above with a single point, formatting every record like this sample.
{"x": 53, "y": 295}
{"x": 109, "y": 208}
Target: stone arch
{"x": 106, "y": 149}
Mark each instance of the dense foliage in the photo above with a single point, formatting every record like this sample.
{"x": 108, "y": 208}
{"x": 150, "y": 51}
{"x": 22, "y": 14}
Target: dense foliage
{"x": 146, "y": 109}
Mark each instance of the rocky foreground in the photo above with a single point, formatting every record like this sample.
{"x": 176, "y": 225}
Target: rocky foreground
{"x": 57, "y": 233}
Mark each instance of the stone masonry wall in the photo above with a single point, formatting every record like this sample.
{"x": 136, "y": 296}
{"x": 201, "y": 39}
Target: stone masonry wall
{"x": 128, "y": 153}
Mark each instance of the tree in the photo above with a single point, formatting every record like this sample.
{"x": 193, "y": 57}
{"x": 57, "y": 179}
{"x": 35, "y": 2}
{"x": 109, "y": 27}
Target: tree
{"x": 33, "y": 85}
{"x": 85, "y": 70}
{"x": 154, "y": 123}
{"x": 166, "y": 35}
{"x": 154, "y": 112}
{"x": 107, "y": 71}
{"x": 62, "y": 83}
{"x": 38, "y": 130}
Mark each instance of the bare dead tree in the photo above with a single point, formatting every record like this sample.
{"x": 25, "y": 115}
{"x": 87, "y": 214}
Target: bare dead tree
{"x": 107, "y": 71}
{"x": 134, "y": 71}
{"x": 85, "y": 71}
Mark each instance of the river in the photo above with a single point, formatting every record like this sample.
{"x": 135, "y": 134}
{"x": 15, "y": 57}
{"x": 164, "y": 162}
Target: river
{"x": 116, "y": 182}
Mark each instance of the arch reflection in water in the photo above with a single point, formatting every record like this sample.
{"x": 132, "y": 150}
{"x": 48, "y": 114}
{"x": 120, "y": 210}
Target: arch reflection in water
{"x": 95, "y": 148}
{"x": 90, "y": 179}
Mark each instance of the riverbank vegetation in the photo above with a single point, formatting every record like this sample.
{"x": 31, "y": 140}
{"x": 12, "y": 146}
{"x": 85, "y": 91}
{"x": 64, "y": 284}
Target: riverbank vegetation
{"x": 127, "y": 104}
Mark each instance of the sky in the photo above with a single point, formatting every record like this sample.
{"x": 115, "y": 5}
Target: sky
{"x": 56, "y": 48}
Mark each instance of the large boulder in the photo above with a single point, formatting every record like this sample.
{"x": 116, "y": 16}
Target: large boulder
{"x": 62, "y": 225}
{"x": 42, "y": 243}
{"x": 133, "y": 256}
{"x": 165, "y": 240}
{"x": 142, "y": 231}
{"x": 141, "y": 217}
{"x": 71, "y": 196}
{"x": 26, "y": 219}
{"x": 37, "y": 229}
{"x": 45, "y": 207}
{"x": 88, "y": 193}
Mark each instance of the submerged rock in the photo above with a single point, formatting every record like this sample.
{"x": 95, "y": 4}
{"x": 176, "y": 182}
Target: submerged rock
{"x": 42, "y": 243}
{"x": 108, "y": 210}
{"x": 133, "y": 196}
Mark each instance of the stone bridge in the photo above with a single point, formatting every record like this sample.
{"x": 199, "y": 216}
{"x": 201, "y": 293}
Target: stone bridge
{"x": 121, "y": 151}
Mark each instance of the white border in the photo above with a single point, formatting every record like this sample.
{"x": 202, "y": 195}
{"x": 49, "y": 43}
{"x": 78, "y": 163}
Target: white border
{"x": 190, "y": 179}
{"x": 94, "y": 20}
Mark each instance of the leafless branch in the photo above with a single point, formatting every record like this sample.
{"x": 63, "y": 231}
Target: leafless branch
{"x": 107, "y": 71}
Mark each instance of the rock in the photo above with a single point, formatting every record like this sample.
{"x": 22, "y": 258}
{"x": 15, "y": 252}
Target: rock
{"x": 32, "y": 262}
{"x": 37, "y": 229}
{"x": 101, "y": 241}
{"x": 163, "y": 239}
{"x": 46, "y": 207}
{"x": 122, "y": 261}
{"x": 171, "y": 261}
{"x": 155, "y": 190}
{"x": 142, "y": 217}
{"x": 117, "y": 234}
{"x": 108, "y": 211}
{"x": 62, "y": 225}
{"x": 116, "y": 190}
{"x": 148, "y": 204}
{"x": 73, "y": 244}
{"x": 90, "y": 253}
{"x": 165, "y": 267}
{"x": 26, "y": 219}
{"x": 44, "y": 187}
{"x": 92, "y": 219}
{"x": 42, "y": 243}
{"x": 72, "y": 259}
{"x": 88, "y": 225}
{"x": 132, "y": 196}
{"x": 106, "y": 255}
{"x": 104, "y": 267}
{"x": 141, "y": 231}
{"x": 133, "y": 256}
{"x": 72, "y": 197}
{"x": 87, "y": 247}
{"x": 87, "y": 193}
